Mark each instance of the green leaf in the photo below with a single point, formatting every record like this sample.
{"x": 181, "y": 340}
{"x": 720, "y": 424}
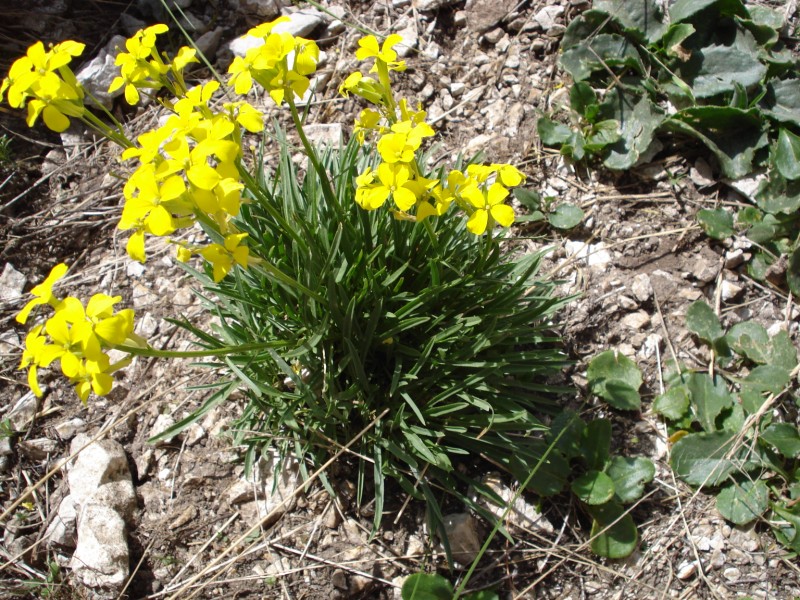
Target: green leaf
{"x": 565, "y": 216}
{"x": 581, "y": 97}
{"x": 673, "y": 403}
{"x": 717, "y": 223}
{"x": 683, "y": 9}
{"x": 568, "y": 442}
{"x": 424, "y": 586}
{"x": 482, "y": 595}
{"x": 793, "y": 272}
{"x": 603, "y": 134}
{"x": 615, "y": 378}
{"x": 639, "y": 119}
{"x": 701, "y": 320}
{"x": 782, "y": 101}
{"x": 601, "y": 52}
{"x": 777, "y": 195}
{"x": 770, "y": 378}
{"x": 732, "y": 134}
{"x": 530, "y": 199}
{"x": 787, "y": 154}
{"x": 643, "y": 19}
{"x": 709, "y": 398}
{"x": 675, "y": 36}
{"x": 784, "y": 437}
{"x": 614, "y": 533}
{"x": 784, "y": 353}
{"x": 787, "y": 526}
{"x": 596, "y": 443}
{"x": 551, "y": 132}
{"x": 715, "y": 69}
{"x": 751, "y": 340}
{"x": 701, "y": 458}
{"x": 629, "y": 475}
{"x": 595, "y": 487}
{"x": 743, "y": 502}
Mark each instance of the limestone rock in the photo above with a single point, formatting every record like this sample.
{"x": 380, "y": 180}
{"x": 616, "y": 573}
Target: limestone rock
{"x": 301, "y": 23}
{"x": 96, "y": 75}
{"x": 63, "y": 529}
{"x": 101, "y": 557}
{"x": 12, "y": 282}
{"x": 522, "y": 515}
{"x": 263, "y": 9}
{"x": 23, "y": 411}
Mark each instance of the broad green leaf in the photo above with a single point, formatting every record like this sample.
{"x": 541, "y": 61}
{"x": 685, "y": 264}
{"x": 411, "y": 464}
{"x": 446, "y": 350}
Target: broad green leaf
{"x": 673, "y": 403}
{"x": 595, "y": 487}
{"x": 629, "y": 475}
{"x": 425, "y": 586}
{"x": 787, "y": 154}
{"x": 709, "y": 398}
{"x": 582, "y": 27}
{"x": 751, "y": 340}
{"x": 702, "y": 320}
{"x": 782, "y": 101}
{"x": 717, "y": 223}
{"x": 614, "y": 533}
{"x": 639, "y": 119}
{"x": 702, "y": 459}
{"x": 715, "y": 70}
{"x": 683, "y": 9}
{"x": 568, "y": 442}
{"x": 787, "y": 526}
{"x": 565, "y": 216}
{"x": 732, "y": 134}
{"x": 601, "y": 52}
{"x": 552, "y": 133}
{"x": 530, "y": 199}
{"x": 573, "y": 147}
{"x": 596, "y": 443}
{"x": 615, "y": 378}
{"x": 767, "y": 378}
{"x": 675, "y": 36}
{"x": 581, "y": 97}
{"x": 764, "y": 23}
{"x": 784, "y": 353}
{"x": 777, "y": 195}
{"x": 643, "y": 19}
{"x": 743, "y": 502}
{"x": 785, "y": 437}
{"x": 793, "y": 272}
{"x": 550, "y": 474}
{"x": 603, "y": 134}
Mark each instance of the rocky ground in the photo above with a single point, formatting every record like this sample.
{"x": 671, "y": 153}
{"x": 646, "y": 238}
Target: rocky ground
{"x": 179, "y": 519}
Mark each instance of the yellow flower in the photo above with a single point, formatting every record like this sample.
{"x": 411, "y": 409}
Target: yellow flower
{"x": 223, "y": 257}
{"x": 394, "y": 180}
{"x": 141, "y": 66}
{"x": 489, "y": 207}
{"x": 31, "y": 357}
{"x": 93, "y": 376}
{"x": 368, "y": 48}
{"x": 43, "y": 293}
{"x": 395, "y": 147}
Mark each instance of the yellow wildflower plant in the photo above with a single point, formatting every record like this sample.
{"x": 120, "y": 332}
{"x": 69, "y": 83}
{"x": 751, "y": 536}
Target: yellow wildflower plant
{"x": 43, "y": 293}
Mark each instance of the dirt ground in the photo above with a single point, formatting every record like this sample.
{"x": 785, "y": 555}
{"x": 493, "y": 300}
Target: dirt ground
{"x": 485, "y": 71}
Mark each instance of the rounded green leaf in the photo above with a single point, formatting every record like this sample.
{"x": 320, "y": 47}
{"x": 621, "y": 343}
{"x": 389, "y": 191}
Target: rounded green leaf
{"x": 743, "y": 502}
{"x": 552, "y": 133}
{"x": 785, "y": 437}
{"x": 595, "y": 487}
{"x": 702, "y": 320}
{"x": 751, "y": 340}
{"x": 717, "y": 223}
{"x": 424, "y": 586}
{"x": 705, "y": 459}
{"x": 673, "y": 403}
{"x": 787, "y": 154}
{"x": 709, "y": 398}
{"x": 629, "y": 475}
{"x": 614, "y": 533}
{"x": 615, "y": 378}
{"x": 566, "y": 216}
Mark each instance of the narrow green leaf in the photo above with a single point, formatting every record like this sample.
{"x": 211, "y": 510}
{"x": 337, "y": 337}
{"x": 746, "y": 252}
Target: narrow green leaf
{"x": 742, "y": 503}
{"x": 787, "y": 154}
{"x": 629, "y": 475}
{"x": 595, "y": 487}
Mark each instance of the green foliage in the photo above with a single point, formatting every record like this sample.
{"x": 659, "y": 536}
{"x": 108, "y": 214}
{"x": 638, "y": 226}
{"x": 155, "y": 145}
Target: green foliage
{"x": 5, "y": 150}
{"x": 606, "y": 482}
{"x": 615, "y": 378}
{"x": 754, "y": 471}
{"x": 714, "y": 71}
{"x": 422, "y": 326}
{"x": 425, "y": 586}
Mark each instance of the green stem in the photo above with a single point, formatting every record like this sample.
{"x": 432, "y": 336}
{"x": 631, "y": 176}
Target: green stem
{"x": 224, "y": 350}
{"x": 95, "y": 123}
{"x": 327, "y": 190}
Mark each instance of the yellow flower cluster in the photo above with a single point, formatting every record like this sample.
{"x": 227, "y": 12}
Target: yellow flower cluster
{"x": 281, "y": 64}
{"x": 479, "y": 192}
{"x": 142, "y": 67}
{"x": 43, "y": 80}
{"x": 77, "y": 337}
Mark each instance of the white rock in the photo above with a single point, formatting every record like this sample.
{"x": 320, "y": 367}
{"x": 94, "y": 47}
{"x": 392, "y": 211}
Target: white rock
{"x": 522, "y": 515}
{"x": 636, "y": 321}
{"x": 409, "y": 43}
{"x": 462, "y": 535}
{"x": 732, "y": 574}
{"x": 63, "y": 529}
{"x": 134, "y": 269}
{"x": 747, "y": 186}
{"x": 730, "y": 290}
{"x": 457, "y": 89}
{"x": 431, "y": 5}
{"x": 548, "y": 16}
{"x": 9, "y": 342}
{"x": 69, "y": 429}
{"x": 12, "y": 282}
{"x": 101, "y": 556}
{"x": 241, "y": 45}
{"x": 96, "y": 75}
{"x": 163, "y": 422}
{"x": 39, "y": 448}
{"x": 147, "y": 326}
{"x": 100, "y": 474}
{"x": 595, "y": 255}
{"x": 324, "y": 134}
{"x": 641, "y": 287}
{"x": 701, "y": 174}
{"x": 301, "y": 23}
{"x": 269, "y": 488}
